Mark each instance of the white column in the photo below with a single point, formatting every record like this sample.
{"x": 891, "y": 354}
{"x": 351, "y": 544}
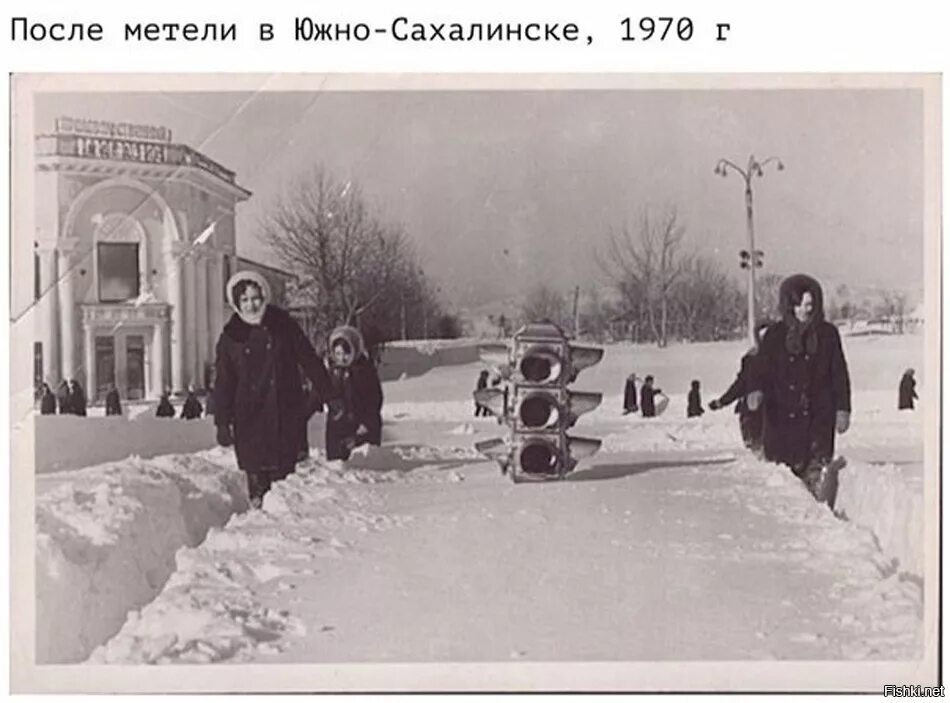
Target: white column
{"x": 49, "y": 316}
{"x": 176, "y": 300}
{"x": 216, "y": 296}
{"x": 158, "y": 360}
{"x": 67, "y": 316}
{"x": 203, "y": 331}
{"x": 191, "y": 319}
{"x": 90, "y": 347}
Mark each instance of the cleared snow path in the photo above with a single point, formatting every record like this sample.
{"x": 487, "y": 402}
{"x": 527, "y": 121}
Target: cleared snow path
{"x": 639, "y": 557}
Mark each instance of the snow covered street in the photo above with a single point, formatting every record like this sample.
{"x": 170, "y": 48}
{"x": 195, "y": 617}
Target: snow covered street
{"x": 670, "y": 544}
{"x": 642, "y": 557}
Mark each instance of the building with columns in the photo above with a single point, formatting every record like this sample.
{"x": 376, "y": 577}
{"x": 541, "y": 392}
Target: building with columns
{"x": 134, "y": 242}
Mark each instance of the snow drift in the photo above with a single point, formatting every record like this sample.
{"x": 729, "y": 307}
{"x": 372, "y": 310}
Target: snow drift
{"x": 107, "y": 537}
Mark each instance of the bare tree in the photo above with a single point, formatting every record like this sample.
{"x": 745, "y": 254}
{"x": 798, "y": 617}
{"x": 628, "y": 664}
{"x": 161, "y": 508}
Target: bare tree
{"x": 709, "y": 304}
{"x": 893, "y": 306}
{"x": 645, "y": 266}
{"x": 766, "y": 296}
{"x": 544, "y": 303}
{"x": 351, "y": 268}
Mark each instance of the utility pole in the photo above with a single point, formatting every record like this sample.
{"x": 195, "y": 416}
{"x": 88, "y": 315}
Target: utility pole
{"x": 750, "y": 259}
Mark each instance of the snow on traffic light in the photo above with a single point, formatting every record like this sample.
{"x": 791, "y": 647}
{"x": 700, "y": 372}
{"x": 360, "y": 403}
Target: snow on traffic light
{"x": 536, "y": 404}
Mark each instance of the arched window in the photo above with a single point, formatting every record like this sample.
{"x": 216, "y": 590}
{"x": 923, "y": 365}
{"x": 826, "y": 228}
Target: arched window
{"x": 121, "y": 258}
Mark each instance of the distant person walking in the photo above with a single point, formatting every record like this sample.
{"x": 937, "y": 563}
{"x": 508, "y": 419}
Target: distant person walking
{"x": 113, "y": 403}
{"x": 802, "y": 378}
{"x": 481, "y": 384}
{"x": 260, "y": 406}
{"x": 750, "y": 421}
{"x": 47, "y": 401}
{"x": 191, "y": 409}
{"x": 165, "y": 407}
{"x": 907, "y": 392}
{"x": 630, "y": 395}
{"x": 647, "y": 397}
{"x": 694, "y": 402}
{"x": 76, "y": 398}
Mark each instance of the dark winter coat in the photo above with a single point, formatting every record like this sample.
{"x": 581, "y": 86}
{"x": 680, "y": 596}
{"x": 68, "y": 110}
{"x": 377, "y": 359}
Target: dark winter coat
{"x": 750, "y": 422}
{"x": 647, "y": 396}
{"x": 165, "y": 407}
{"x": 47, "y": 402}
{"x": 804, "y": 377}
{"x": 742, "y": 385}
{"x": 694, "y": 404}
{"x": 258, "y": 390}
{"x": 630, "y": 395}
{"x": 76, "y": 400}
{"x": 361, "y": 393}
{"x": 113, "y": 404}
{"x": 192, "y": 408}
{"x": 907, "y": 393}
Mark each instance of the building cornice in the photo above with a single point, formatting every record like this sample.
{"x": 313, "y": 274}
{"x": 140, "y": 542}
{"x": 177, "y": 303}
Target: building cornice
{"x": 172, "y": 162}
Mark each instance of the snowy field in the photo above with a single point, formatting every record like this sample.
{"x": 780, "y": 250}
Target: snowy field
{"x": 421, "y": 551}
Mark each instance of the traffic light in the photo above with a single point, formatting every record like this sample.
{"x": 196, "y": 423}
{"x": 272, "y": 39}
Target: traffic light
{"x": 754, "y": 259}
{"x": 536, "y": 403}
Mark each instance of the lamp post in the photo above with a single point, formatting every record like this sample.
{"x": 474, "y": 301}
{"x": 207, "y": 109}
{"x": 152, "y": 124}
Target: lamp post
{"x": 752, "y": 258}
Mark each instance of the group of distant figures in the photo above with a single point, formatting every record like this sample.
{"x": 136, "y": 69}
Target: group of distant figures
{"x": 70, "y": 399}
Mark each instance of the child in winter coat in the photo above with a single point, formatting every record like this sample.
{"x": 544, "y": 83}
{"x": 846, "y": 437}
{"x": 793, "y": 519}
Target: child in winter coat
{"x": 357, "y": 418}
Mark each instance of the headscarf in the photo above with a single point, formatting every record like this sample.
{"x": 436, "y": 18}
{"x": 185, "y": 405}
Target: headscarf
{"x": 801, "y": 336}
{"x": 351, "y": 336}
{"x": 258, "y": 280}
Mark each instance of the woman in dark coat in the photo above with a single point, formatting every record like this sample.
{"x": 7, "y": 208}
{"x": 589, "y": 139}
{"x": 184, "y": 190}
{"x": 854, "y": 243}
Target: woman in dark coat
{"x": 47, "y": 401}
{"x": 165, "y": 407}
{"x": 76, "y": 398}
{"x": 630, "y": 395}
{"x": 355, "y": 381}
{"x": 113, "y": 403}
{"x": 694, "y": 403}
{"x": 907, "y": 392}
{"x": 191, "y": 409}
{"x": 62, "y": 398}
{"x": 802, "y": 377}
{"x": 259, "y": 402}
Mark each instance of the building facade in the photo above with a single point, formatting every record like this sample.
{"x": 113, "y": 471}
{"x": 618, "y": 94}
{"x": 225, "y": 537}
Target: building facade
{"x": 134, "y": 242}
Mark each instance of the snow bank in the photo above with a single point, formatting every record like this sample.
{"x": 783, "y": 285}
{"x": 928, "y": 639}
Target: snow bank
{"x": 69, "y": 442}
{"x": 107, "y": 536}
{"x": 214, "y": 607}
{"x": 888, "y": 500}
{"x": 407, "y": 359}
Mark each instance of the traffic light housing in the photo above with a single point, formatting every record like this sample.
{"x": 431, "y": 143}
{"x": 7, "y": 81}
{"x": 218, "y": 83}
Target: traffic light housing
{"x": 536, "y": 404}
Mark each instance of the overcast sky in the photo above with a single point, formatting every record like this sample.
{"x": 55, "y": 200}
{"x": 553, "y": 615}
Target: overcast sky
{"x": 503, "y": 189}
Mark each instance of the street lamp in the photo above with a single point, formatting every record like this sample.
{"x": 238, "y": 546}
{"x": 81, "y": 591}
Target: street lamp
{"x": 751, "y": 258}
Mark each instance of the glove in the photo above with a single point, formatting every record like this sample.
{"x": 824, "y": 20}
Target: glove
{"x": 753, "y": 400}
{"x": 335, "y": 409}
{"x": 842, "y": 421}
{"x": 225, "y": 438}
{"x": 714, "y": 405}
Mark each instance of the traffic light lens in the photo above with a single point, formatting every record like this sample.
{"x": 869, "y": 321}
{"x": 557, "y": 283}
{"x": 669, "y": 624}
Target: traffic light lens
{"x": 539, "y": 459}
{"x": 536, "y": 369}
{"x": 537, "y": 412}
